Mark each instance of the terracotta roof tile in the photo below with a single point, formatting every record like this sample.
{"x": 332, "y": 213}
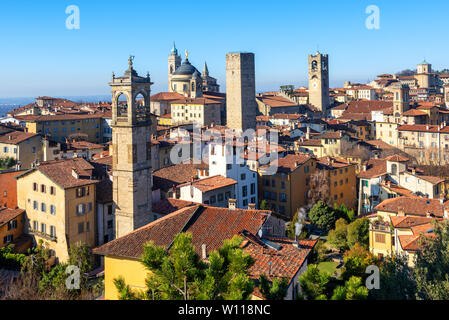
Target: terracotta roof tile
{"x": 208, "y": 225}
{"x": 16, "y": 137}
{"x": 7, "y": 214}
{"x": 413, "y": 206}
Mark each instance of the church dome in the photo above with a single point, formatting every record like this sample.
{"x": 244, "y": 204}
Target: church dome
{"x": 185, "y": 69}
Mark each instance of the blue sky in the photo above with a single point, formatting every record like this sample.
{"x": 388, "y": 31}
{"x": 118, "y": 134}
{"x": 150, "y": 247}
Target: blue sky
{"x": 39, "y": 56}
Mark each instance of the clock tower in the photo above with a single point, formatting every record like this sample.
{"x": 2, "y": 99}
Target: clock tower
{"x": 319, "y": 82}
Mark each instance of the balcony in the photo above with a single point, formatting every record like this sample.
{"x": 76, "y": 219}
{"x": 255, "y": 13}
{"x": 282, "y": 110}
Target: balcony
{"x": 43, "y": 235}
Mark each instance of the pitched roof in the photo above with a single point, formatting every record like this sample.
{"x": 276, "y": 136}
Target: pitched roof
{"x": 174, "y": 175}
{"x": 208, "y": 225}
{"x": 16, "y": 137}
{"x": 397, "y": 158}
{"x": 292, "y": 161}
{"x": 375, "y": 168}
{"x": 414, "y": 112}
{"x": 285, "y": 262}
{"x": 409, "y": 221}
{"x": 167, "y": 206}
{"x": 211, "y": 183}
{"x": 7, "y": 214}
{"x": 166, "y": 96}
{"x": 61, "y": 172}
{"x": 412, "y": 206}
{"x": 277, "y": 101}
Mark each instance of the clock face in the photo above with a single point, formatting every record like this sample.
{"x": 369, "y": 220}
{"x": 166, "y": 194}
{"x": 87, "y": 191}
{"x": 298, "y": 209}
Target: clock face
{"x": 315, "y": 85}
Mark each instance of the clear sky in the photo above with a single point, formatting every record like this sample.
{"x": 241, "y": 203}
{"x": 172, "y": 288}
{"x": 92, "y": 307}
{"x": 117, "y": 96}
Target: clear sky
{"x": 40, "y": 56}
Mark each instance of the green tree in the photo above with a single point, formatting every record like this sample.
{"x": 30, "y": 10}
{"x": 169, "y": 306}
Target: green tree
{"x": 179, "y": 273}
{"x": 322, "y": 216}
{"x": 396, "y": 280}
{"x": 358, "y": 233}
{"x": 275, "y": 290}
{"x": 352, "y": 290}
{"x": 319, "y": 253}
{"x": 337, "y": 238}
{"x": 356, "y": 260}
{"x": 80, "y": 255}
{"x": 432, "y": 264}
{"x": 264, "y": 205}
{"x": 314, "y": 283}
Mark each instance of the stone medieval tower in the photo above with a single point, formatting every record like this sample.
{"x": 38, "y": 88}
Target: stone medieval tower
{"x": 319, "y": 82}
{"x": 241, "y": 105}
{"x": 131, "y": 143}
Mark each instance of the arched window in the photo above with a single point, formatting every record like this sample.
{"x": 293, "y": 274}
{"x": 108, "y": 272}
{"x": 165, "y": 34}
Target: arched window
{"x": 314, "y": 65}
{"x": 141, "y": 108}
{"x": 193, "y": 86}
{"x": 122, "y": 105}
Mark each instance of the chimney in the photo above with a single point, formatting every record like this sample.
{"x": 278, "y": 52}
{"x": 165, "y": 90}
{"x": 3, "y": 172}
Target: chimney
{"x": 441, "y": 198}
{"x": 232, "y": 204}
{"x": 413, "y": 171}
{"x": 308, "y": 133}
{"x": 269, "y": 268}
{"x": 251, "y": 206}
{"x": 364, "y": 167}
{"x": 428, "y": 214}
{"x": 204, "y": 251}
{"x": 446, "y": 214}
{"x": 401, "y": 212}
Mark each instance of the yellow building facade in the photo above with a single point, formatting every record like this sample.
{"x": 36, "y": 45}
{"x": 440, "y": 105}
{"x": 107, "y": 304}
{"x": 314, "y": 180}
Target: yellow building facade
{"x": 57, "y": 215}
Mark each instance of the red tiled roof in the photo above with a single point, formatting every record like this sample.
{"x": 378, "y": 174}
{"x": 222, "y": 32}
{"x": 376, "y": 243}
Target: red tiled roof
{"x": 60, "y": 172}
{"x": 7, "y": 215}
{"x": 285, "y": 262}
{"x": 397, "y": 158}
{"x": 78, "y": 116}
{"x": 375, "y": 168}
{"x": 208, "y": 225}
{"x": 409, "y": 221}
{"x": 414, "y": 112}
{"x": 85, "y": 145}
{"x": 174, "y": 175}
{"x": 292, "y": 161}
{"x": 16, "y": 137}
{"x": 412, "y": 206}
{"x": 167, "y": 206}
{"x": 277, "y": 101}
{"x": 211, "y": 183}
{"x": 166, "y": 96}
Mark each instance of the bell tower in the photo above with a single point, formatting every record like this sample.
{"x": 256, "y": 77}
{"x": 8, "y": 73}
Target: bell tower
{"x": 174, "y": 61}
{"x": 131, "y": 143}
{"x": 319, "y": 82}
{"x": 400, "y": 101}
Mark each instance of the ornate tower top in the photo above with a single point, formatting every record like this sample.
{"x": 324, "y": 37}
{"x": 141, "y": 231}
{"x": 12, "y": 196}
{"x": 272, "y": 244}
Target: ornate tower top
{"x": 205, "y": 70}
{"x": 174, "y": 51}
{"x": 187, "y": 55}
